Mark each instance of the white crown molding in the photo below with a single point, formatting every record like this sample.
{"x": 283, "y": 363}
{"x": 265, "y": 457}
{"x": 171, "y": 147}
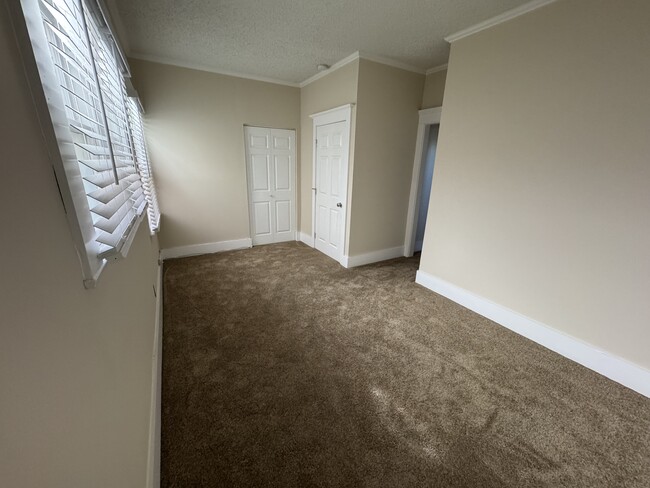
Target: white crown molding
{"x": 361, "y": 55}
{"x": 339, "y": 64}
{"x": 436, "y": 69}
{"x": 504, "y": 17}
{"x": 336, "y": 113}
{"x": 390, "y": 62}
{"x": 613, "y": 367}
{"x": 207, "y": 248}
{"x": 200, "y": 67}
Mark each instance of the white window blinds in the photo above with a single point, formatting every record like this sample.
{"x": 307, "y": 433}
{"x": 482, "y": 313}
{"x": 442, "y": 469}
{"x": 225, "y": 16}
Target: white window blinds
{"x": 142, "y": 158}
{"x": 97, "y": 128}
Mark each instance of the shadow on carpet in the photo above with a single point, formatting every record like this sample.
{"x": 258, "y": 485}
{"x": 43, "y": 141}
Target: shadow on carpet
{"x": 281, "y": 368}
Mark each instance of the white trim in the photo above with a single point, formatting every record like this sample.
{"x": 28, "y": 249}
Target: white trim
{"x": 391, "y": 62}
{"x": 499, "y": 19}
{"x": 203, "y": 67}
{"x": 306, "y": 238}
{"x": 207, "y": 248}
{"x": 427, "y": 117}
{"x": 339, "y": 64}
{"x": 372, "y": 257}
{"x": 436, "y": 69}
{"x": 613, "y": 367}
{"x": 361, "y": 55}
{"x": 153, "y": 459}
{"x": 333, "y": 115}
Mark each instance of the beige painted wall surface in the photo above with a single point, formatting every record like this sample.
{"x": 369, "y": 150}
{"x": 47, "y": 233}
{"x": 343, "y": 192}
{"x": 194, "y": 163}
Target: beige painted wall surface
{"x": 387, "y": 121}
{"x": 333, "y": 90}
{"x": 195, "y": 130}
{"x": 541, "y": 192}
{"x": 75, "y": 364}
{"x": 434, "y": 89}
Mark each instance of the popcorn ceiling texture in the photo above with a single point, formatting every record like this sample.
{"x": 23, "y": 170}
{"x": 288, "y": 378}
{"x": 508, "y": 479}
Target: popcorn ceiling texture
{"x": 285, "y": 39}
{"x": 281, "y": 368}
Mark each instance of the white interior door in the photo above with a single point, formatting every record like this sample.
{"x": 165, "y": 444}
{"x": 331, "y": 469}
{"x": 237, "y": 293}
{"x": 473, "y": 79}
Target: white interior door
{"x": 271, "y": 169}
{"x": 331, "y": 189}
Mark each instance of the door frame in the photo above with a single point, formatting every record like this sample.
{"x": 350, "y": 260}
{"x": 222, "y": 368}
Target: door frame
{"x": 428, "y": 117}
{"x": 294, "y": 179}
{"x": 343, "y": 114}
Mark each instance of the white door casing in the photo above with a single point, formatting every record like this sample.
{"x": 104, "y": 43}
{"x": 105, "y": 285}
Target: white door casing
{"x": 271, "y": 174}
{"x": 330, "y": 181}
{"x": 427, "y": 117}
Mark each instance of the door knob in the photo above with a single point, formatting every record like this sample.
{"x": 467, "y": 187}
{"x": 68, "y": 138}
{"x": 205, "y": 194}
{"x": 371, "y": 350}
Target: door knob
{"x": 339, "y": 205}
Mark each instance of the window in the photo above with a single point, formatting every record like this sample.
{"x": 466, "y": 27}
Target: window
{"x": 93, "y": 128}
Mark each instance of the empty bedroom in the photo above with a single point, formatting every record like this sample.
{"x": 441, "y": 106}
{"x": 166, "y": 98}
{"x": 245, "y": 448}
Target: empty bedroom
{"x": 337, "y": 244}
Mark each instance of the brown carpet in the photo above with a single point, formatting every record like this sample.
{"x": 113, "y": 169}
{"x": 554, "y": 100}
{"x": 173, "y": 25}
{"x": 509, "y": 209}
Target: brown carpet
{"x": 281, "y": 368}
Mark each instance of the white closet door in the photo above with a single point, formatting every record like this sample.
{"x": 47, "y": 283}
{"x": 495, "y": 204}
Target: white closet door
{"x": 331, "y": 187}
{"x": 271, "y": 164}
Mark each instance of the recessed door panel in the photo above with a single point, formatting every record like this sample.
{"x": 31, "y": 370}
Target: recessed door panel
{"x": 262, "y": 212}
{"x": 282, "y": 172}
{"x": 281, "y": 142}
{"x": 323, "y": 223}
{"x": 259, "y": 141}
{"x": 334, "y": 228}
{"x": 323, "y": 162}
{"x": 336, "y": 139}
{"x": 283, "y": 215}
{"x": 260, "y": 172}
{"x": 335, "y": 175}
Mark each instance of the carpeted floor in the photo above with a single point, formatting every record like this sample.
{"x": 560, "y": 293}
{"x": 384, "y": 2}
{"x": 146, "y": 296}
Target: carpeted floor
{"x": 281, "y": 368}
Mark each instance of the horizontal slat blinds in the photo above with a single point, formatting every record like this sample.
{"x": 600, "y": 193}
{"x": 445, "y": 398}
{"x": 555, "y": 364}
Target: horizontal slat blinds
{"x": 124, "y": 198}
{"x": 95, "y": 102}
{"x": 142, "y": 159}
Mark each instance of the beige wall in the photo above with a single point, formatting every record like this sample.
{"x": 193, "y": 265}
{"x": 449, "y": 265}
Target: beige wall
{"x": 194, "y": 122}
{"x": 333, "y": 90}
{"x": 434, "y": 89}
{"x": 541, "y": 197}
{"x": 75, "y": 364}
{"x": 386, "y": 128}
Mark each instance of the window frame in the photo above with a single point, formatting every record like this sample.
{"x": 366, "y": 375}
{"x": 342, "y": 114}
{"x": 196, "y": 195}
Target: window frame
{"x": 55, "y": 124}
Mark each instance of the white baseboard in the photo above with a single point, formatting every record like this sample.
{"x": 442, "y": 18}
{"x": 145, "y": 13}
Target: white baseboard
{"x": 153, "y": 459}
{"x": 208, "y": 248}
{"x": 613, "y": 367}
{"x": 372, "y": 257}
{"x": 306, "y": 238}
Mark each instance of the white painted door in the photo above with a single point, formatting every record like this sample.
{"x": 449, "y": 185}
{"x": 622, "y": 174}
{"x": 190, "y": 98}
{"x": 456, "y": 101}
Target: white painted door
{"x": 271, "y": 168}
{"x": 331, "y": 189}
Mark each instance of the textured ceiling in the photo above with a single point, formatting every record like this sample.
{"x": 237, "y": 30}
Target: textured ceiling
{"x": 286, "y": 39}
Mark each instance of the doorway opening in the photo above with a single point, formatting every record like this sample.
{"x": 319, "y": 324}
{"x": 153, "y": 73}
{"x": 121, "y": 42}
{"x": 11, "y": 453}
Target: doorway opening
{"x": 425, "y": 185}
{"x": 423, "y": 167}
